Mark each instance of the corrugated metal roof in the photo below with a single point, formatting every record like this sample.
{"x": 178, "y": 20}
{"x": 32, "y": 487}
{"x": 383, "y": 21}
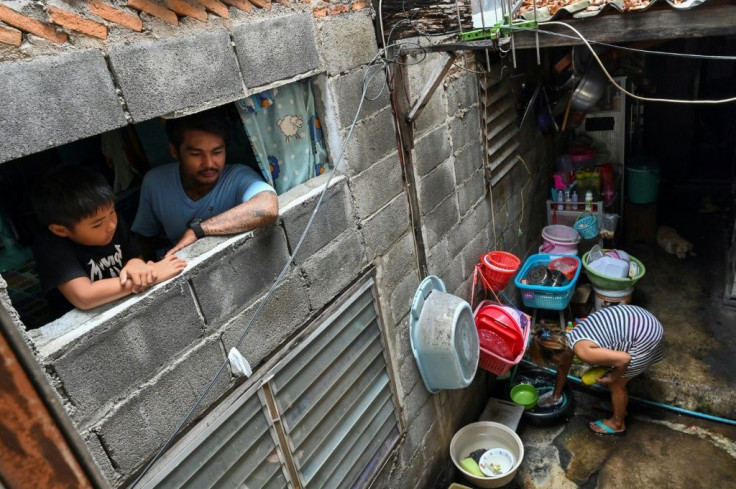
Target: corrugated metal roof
{"x": 557, "y": 9}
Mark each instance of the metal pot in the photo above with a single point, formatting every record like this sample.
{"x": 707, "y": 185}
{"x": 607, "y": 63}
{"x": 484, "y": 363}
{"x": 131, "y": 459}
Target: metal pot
{"x": 590, "y": 89}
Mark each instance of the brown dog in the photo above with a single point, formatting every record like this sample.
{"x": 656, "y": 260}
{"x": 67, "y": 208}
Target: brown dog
{"x": 673, "y": 243}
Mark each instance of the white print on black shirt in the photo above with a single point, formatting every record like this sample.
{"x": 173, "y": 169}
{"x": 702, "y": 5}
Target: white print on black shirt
{"x": 111, "y": 265}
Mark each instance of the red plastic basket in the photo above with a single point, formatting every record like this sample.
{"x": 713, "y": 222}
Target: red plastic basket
{"x": 498, "y": 267}
{"x": 496, "y": 364}
{"x": 567, "y": 265}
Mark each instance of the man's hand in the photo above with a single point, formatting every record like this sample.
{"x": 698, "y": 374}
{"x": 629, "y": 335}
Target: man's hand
{"x": 186, "y": 239}
{"x": 139, "y": 273}
{"x": 170, "y": 266}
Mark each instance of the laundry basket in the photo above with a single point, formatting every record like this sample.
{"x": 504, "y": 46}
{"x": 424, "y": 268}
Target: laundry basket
{"x": 587, "y": 226}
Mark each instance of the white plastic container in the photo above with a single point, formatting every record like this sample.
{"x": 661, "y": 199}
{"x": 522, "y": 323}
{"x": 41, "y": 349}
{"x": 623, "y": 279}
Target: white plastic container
{"x": 610, "y": 267}
{"x": 443, "y": 337}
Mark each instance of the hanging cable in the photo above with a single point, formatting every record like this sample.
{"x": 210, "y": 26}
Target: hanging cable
{"x": 622, "y": 89}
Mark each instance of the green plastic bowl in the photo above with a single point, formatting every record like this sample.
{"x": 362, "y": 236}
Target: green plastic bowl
{"x": 525, "y": 395}
{"x": 604, "y": 282}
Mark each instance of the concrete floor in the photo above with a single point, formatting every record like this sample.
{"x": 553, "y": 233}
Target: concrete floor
{"x": 662, "y": 449}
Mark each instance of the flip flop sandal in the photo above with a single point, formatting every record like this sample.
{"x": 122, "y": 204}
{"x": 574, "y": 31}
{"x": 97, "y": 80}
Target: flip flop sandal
{"x": 607, "y": 430}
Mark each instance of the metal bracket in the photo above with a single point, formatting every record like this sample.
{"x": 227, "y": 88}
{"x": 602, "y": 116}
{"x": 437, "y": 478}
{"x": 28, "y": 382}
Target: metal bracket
{"x": 429, "y": 88}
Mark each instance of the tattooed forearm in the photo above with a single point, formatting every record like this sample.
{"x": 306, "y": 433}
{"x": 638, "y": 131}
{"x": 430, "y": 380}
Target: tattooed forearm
{"x": 261, "y": 210}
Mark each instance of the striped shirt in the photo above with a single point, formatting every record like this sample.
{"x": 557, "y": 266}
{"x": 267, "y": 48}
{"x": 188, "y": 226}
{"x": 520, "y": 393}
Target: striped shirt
{"x": 624, "y": 328}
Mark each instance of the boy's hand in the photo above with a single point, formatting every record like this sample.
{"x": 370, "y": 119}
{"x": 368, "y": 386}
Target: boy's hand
{"x": 141, "y": 274}
{"x": 170, "y": 266}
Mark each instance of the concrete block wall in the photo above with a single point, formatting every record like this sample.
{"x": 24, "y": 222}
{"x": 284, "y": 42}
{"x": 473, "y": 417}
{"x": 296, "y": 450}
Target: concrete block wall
{"x": 128, "y": 372}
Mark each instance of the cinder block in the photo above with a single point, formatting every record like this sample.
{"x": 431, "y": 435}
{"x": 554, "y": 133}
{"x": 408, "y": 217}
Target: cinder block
{"x": 465, "y": 129}
{"x": 346, "y": 41}
{"x": 453, "y": 275}
{"x": 401, "y": 297}
{"x": 99, "y": 456}
{"x": 421, "y": 421}
{"x": 399, "y": 260}
{"x": 438, "y": 257}
{"x": 435, "y": 186}
{"x": 103, "y": 365}
{"x": 148, "y": 418}
{"x": 177, "y": 73}
{"x": 52, "y": 100}
{"x": 372, "y": 139}
{"x": 275, "y": 48}
{"x": 431, "y": 149}
{"x": 332, "y": 269}
{"x": 378, "y": 185}
{"x": 472, "y": 252}
{"x": 470, "y": 192}
{"x": 333, "y": 218}
{"x": 462, "y": 93}
{"x": 409, "y": 375}
{"x": 284, "y": 313}
{"x": 239, "y": 275}
{"x": 465, "y": 232}
{"x": 420, "y": 70}
{"x": 438, "y": 222}
{"x": 467, "y": 161}
{"x": 348, "y": 89}
{"x": 434, "y": 113}
{"x": 386, "y": 226}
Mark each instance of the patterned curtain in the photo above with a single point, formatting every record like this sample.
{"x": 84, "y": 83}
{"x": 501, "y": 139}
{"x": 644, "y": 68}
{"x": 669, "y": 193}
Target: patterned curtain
{"x": 285, "y": 133}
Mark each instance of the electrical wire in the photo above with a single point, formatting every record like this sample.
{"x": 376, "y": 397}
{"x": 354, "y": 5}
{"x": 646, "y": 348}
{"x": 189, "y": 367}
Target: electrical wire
{"x": 366, "y": 80}
{"x": 632, "y": 95}
{"x": 626, "y": 48}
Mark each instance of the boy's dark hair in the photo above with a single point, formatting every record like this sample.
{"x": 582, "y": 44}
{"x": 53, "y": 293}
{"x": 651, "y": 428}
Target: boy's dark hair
{"x": 208, "y": 121}
{"x": 67, "y": 194}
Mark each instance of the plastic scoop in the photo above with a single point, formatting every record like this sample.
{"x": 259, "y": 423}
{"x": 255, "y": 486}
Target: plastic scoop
{"x": 589, "y": 377}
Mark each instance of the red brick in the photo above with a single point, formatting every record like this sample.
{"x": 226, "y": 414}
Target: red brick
{"x": 320, "y": 12}
{"x": 38, "y": 28}
{"x": 338, "y": 9}
{"x": 10, "y": 36}
{"x": 261, "y": 3}
{"x": 241, "y": 4}
{"x": 216, "y": 8}
{"x": 77, "y": 23}
{"x": 285, "y": 3}
{"x": 183, "y": 8}
{"x": 359, "y": 5}
{"x": 154, "y": 9}
{"x": 115, "y": 15}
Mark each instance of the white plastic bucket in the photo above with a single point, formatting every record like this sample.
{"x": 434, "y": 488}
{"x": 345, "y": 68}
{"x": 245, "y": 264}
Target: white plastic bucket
{"x": 443, "y": 339}
{"x": 608, "y": 298}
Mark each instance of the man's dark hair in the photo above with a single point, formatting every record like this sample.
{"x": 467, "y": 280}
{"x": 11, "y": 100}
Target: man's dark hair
{"x": 67, "y": 194}
{"x": 208, "y": 121}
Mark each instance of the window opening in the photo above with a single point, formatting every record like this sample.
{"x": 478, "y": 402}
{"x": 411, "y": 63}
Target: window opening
{"x": 296, "y": 153}
{"x": 333, "y": 418}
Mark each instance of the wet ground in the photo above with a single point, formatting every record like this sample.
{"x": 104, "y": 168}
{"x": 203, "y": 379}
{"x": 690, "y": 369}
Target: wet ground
{"x": 662, "y": 449}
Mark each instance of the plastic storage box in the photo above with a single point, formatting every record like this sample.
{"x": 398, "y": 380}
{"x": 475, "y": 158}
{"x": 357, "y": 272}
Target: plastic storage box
{"x": 542, "y": 296}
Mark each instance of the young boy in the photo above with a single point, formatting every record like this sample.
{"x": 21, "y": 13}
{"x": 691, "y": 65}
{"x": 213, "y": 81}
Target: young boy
{"x": 86, "y": 256}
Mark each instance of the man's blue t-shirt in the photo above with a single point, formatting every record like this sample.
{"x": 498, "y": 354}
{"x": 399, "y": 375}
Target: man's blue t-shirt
{"x": 164, "y": 205}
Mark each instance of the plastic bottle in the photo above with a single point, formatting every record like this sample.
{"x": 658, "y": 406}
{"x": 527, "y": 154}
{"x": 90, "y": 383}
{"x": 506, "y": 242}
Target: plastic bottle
{"x": 568, "y": 200}
{"x": 589, "y": 201}
{"x": 560, "y": 201}
{"x": 574, "y": 201}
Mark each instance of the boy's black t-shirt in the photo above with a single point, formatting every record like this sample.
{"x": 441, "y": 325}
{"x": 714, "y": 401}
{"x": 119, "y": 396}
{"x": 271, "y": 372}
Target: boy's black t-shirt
{"x": 59, "y": 260}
